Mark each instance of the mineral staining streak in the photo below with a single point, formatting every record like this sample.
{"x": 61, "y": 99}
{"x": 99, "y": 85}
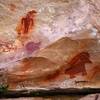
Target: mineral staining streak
{"x": 93, "y": 72}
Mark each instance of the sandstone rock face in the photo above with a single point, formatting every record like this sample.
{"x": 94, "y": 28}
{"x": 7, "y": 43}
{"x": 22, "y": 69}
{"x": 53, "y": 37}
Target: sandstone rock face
{"x": 64, "y": 37}
{"x": 75, "y": 66}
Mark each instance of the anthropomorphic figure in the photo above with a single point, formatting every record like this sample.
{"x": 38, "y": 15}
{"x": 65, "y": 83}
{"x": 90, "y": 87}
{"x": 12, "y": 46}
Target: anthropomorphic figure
{"x": 26, "y": 24}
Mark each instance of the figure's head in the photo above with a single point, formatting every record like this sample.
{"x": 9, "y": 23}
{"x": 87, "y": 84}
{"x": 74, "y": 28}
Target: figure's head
{"x": 31, "y": 13}
{"x": 85, "y": 57}
{"x": 82, "y": 57}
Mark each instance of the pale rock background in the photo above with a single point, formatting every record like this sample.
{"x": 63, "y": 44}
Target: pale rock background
{"x": 55, "y": 18}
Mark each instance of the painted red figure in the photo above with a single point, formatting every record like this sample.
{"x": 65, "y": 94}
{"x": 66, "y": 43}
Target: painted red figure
{"x": 78, "y": 64}
{"x": 26, "y": 24}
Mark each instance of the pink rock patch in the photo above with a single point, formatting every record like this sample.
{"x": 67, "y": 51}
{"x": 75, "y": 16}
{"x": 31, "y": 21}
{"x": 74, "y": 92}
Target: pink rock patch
{"x": 30, "y": 47}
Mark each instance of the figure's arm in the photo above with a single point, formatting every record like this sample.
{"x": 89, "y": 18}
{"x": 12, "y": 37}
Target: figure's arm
{"x": 22, "y": 21}
{"x": 19, "y": 26}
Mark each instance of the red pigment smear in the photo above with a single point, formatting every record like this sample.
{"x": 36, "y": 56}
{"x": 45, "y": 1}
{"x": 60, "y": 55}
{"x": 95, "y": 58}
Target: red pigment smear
{"x": 27, "y": 23}
{"x": 12, "y": 7}
{"x": 53, "y": 76}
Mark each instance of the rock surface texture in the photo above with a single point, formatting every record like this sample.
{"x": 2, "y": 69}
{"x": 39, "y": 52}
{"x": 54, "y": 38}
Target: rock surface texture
{"x": 50, "y": 43}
